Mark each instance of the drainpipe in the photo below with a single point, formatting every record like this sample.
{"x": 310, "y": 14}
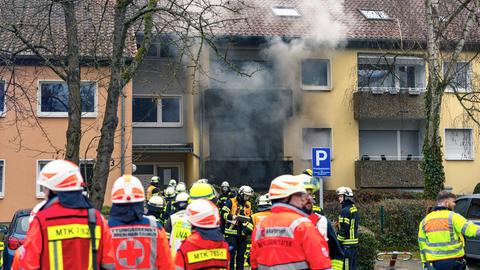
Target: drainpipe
{"x": 122, "y": 137}
{"x": 202, "y": 113}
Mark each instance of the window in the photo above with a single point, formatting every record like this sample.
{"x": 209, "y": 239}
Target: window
{"x": 86, "y": 169}
{"x": 2, "y": 98}
{"x": 165, "y": 172}
{"x": 144, "y": 169}
{"x": 157, "y": 50}
{"x": 390, "y": 144}
{"x": 2, "y": 178}
{"x": 153, "y": 112}
{"x": 243, "y": 74}
{"x": 474, "y": 209}
{"x": 53, "y": 97}
{"x": 315, "y": 137}
{"x": 375, "y": 14}
{"x": 391, "y": 73}
{"x": 285, "y": 12}
{"x": 458, "y": 144}
{"x": 461, "y": 206}
{"x": 461, "y": 79}
{"x": 316, "y": 74}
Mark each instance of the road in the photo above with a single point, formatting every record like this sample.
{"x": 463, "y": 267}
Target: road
{"x": 415, "y": 264}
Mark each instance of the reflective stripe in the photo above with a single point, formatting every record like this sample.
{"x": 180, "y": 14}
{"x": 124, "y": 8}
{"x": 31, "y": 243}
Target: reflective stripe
{"x": 465, "y": 226}
{"x": 286, "y": 266}
{"x": 478, "y": 232}
{"x": 297, "y": 222}
{"x": 153, "y": 244}
{"x": 179, "y": 268}
{"x": 207, "y": 254}
{"x": 70, "y": 231}
{"x": 278, "y": 232}
{"x": 55, "y": 254}
{"x": 337, "y": 264}
{"x": 346, "y": 263}
{"x": 450, "y": 226}
{"x": 352, "y": 228}
{"x": 441, "y": 252}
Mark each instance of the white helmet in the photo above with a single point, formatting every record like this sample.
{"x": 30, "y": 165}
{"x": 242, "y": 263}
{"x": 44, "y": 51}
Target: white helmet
{"x": 170, "y": 192}
{"x": 203, "y": 214}
{"x": 225, "y": 184}
{"x": 172, "y": 183}
{"x": 127, "y": 189}
{"x": 345, "y": 191}
{"x": 180, "y": 188}
{"x": 245, "y": 190}
{"x": 156, "y": 201}
{"x": 61, "y": 175}
{"x": 182, "y": 197}
{"x": 285, "y": 185}
{"x": 203, "y": 180}
{"x": 264, "y": 200}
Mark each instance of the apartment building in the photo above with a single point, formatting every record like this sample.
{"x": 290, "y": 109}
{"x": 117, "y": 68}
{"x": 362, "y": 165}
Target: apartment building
{"x": 363, "y": 98}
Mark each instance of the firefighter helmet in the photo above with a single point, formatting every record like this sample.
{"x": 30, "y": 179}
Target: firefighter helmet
{"x": 180, "y": 188}
{"x": 345, "y": 191}
{"x": 284, "y": 186}
{"x": 202, "y": 191}
{"x": 170, "y": 192}
{"x": 203, "y": 214}
{"x": 156, "y": 201}
{"x": 245, "y": 190}
{"x": 127, "y": 189}
{"x": 61, "y": 175}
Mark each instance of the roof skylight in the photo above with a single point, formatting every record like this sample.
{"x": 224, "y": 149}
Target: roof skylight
{"x": 285, "y": 12}
{"x": 375, "y": 14}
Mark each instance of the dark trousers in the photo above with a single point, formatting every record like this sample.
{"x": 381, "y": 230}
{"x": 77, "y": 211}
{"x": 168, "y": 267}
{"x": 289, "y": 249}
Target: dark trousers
{"x": 450, "y": 264}
{"x": 237, "y": 246}
{"x": 350, "y": 261}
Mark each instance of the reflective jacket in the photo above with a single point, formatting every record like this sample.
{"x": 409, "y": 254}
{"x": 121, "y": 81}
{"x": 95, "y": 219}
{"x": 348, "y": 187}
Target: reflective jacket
{"x": 326, "y": 230}
{"x": 348, "y": 222}
{"x": 198, "y": 253}
{"x": 150, "y": 189}
{"x": 178, "y": 228}
{"x": 257, "y": 217}
{"x": 440, "y": 235}
{"x": 287, "y": 239}
{"x": 58, "y": 237}
{"x": 233, "y": 208}
{"x": 140, "y": 245}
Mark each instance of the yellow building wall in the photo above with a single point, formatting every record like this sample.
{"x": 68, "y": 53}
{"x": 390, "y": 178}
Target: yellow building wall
{"x": 27, "y": 138}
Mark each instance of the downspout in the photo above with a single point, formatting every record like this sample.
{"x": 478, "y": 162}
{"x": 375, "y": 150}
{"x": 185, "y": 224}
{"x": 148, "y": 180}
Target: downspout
{"x": 122, "y": 137}
{"x": 202, "y": 112}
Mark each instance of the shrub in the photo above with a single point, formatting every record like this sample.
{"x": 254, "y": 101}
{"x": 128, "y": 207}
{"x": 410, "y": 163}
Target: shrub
{"x": 476, "y": 190}
{"x": 367, "y": 250}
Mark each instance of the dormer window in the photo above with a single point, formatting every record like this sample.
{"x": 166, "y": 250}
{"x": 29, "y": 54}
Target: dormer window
{"x": 375, "y": 14}
{"x": 285, "y": 12}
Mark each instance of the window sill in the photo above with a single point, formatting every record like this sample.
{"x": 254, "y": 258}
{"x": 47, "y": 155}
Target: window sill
{"x": 459, "y": 90}
{"x": 459, "y": 159}
{"x": 65, "y": 115}
{"x": 158, "y": 125}
{"x": 315, "y": 88}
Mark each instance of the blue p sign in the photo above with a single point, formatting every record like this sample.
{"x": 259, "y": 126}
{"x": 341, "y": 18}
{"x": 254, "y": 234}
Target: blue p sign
{"x": 321, "y": 164}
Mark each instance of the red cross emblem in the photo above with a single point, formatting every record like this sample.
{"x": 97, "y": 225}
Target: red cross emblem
{"x": 130, "y": 253}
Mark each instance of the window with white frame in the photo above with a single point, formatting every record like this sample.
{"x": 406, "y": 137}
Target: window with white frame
{"x": 375, "y": 14}
{"x": 315, "y": 74}
{"x": 390, "y": 144}
{"x": 2, "y": 98}
{"x": 461, "y": 78}
{"x": 86, "y": 169}
{"x": 2, "y": 178}
{"x": 391, "y": 73}
{"x": 285, "y": 12}
{"x": 458, "y": 144}
{"x": 53, "y": 98}
{"x": 315, "y": 137}
{"x": 151, "y": 111}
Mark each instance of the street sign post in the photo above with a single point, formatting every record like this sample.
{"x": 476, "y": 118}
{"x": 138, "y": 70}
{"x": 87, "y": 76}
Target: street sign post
{"x": 321, "y": 167}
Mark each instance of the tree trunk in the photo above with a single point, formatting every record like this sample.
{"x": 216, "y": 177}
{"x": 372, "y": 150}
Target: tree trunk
{"x": 74, "y": 130}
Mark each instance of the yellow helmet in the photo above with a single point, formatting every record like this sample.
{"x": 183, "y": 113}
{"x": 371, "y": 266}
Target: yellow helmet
{"x": 310, "y": 182}
{"x": 201, "y": 190}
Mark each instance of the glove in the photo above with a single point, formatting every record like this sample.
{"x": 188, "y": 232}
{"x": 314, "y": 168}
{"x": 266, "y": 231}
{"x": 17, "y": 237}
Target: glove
{"x": 427, "y": 266}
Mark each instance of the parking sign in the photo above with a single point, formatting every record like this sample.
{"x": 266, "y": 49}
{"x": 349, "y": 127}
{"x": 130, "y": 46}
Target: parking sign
{"x": 321, "y": 163}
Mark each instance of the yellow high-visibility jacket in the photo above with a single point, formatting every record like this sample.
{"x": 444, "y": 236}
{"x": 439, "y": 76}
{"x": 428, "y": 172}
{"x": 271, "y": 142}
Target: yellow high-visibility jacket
{"x": 440, "y": 235}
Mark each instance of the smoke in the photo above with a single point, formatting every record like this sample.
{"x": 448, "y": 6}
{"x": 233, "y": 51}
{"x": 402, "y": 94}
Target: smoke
{"x": 253, "y": 96}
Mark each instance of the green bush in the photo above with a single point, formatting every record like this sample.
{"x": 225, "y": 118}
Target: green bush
{"x": 476, "y": 190}
{"x": 367, "y": 250}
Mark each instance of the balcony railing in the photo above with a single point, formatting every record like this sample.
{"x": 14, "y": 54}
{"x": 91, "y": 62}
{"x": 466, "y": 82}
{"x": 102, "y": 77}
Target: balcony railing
{"x": 385, "y": 157}
{"x": 389, "y": 174}
{"x": 392, "y": 90}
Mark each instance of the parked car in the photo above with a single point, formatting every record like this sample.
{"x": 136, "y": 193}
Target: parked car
{"x": 469, "y": 207}
{"x": 14, "y": 235}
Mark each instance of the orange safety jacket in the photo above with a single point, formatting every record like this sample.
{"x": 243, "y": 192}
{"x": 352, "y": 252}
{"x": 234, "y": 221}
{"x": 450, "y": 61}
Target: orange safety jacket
{"x": 198, "y": 253}
{"x": 141, "y": 245}
{"x": 257, "y": 217}
{"x": 59, "y": 238}
{"x": 286, "y": 239}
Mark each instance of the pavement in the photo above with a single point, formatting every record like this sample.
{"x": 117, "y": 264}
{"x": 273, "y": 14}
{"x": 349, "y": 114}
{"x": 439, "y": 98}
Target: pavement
{"x": 417, "y": 265}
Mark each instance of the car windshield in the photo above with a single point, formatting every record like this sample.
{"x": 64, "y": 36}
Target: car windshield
{"x": 22, "y": 224}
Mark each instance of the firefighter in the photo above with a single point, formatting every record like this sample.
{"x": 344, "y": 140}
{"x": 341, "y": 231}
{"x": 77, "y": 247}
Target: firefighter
{"x": 286, "y": 239}
{"x": 155, "y": 207}
{"x": 224, "y": 195}
{"x": 177, "y": 226}
{"x": 67, "y": 227}
{"x": 264, "y": 206}
{"x": 172, "y": 183}
{"x": 312, "y": 186}
{"x": 153, "y": 188}
{"x": 206, "y": 240}
{"x": 180, "y": 188}
{"x": 348, "y": 222}
{"x": 201, "y": 190}
{"x": 169, "y": 200}
{"x": 441, "y": 235}
{"x": 238, "y": 226}
{"x": 139, "y": 242}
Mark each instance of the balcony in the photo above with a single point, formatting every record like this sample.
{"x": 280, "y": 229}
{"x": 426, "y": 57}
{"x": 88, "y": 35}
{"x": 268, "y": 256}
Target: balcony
{"x": 385, "y": 173}
{"x": 389, "y": 103}
{"x": 256, "y": 173}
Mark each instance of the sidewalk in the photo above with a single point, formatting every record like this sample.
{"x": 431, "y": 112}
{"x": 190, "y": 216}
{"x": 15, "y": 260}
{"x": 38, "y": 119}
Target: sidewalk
{"x": 416, "y": 265}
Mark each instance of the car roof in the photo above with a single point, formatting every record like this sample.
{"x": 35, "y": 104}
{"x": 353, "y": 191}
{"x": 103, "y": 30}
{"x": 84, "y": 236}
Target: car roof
{"x": 23, "y": 212}
{"x": 474, "y": 196}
